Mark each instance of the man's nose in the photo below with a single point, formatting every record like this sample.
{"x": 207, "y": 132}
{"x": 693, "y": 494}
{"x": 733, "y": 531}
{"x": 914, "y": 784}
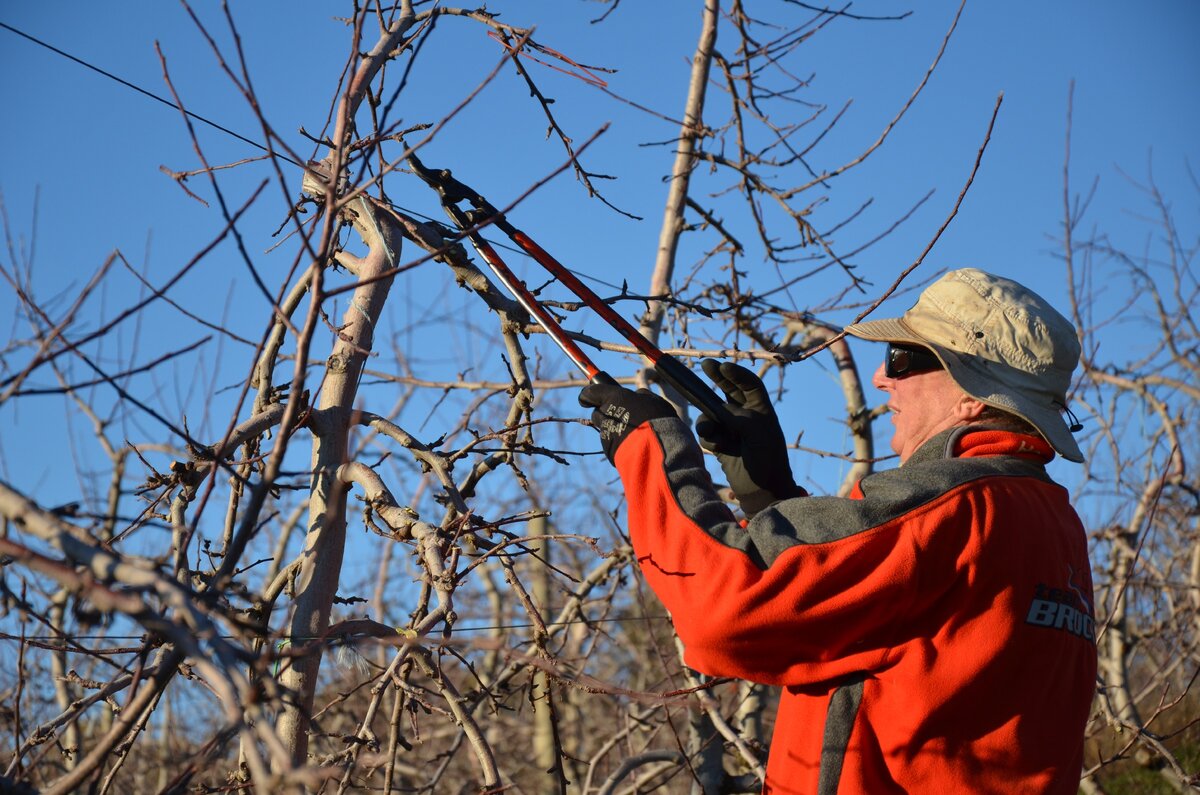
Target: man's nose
{"x": 880, "y": 379}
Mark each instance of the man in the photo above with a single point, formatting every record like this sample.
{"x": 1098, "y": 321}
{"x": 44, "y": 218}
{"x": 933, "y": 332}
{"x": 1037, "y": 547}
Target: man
{"x": 932, "y": 633}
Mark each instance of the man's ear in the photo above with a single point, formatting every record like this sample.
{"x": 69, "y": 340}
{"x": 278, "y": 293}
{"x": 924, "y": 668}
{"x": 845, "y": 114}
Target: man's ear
{"x": 968, "y": 408}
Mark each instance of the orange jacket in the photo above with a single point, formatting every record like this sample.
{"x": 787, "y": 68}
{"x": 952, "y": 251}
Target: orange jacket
{"x": 934, "y": 633}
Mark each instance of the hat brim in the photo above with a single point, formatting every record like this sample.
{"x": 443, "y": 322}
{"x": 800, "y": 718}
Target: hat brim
{"x": 892, "y": 329}
{"x": 978, "y": 383}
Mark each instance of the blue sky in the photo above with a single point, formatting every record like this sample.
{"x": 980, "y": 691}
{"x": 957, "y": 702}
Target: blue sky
{"x": 89, "y": 151}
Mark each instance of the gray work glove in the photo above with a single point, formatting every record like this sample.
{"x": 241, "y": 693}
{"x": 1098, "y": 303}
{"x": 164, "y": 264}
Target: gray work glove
{"x": 753, "y": 454}
{"x": 617, "y": 411}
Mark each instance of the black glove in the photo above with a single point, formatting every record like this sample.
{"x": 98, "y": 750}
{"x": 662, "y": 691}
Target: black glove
{"x": 753, "y": 454}
{"x": 617, "y": 411}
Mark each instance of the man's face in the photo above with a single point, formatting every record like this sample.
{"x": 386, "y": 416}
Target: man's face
{"x": 922, "y": 405}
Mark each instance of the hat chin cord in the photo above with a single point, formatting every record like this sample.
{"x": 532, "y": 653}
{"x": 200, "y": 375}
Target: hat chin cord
{"x": 1076, "y": 426}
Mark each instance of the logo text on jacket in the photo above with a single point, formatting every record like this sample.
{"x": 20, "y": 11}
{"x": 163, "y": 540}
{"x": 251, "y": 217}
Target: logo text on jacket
{"x": 1061, "y": 609}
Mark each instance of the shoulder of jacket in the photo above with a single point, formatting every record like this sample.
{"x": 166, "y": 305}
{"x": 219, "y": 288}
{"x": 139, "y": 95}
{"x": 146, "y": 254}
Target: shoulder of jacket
{"x": 896, "y": 497}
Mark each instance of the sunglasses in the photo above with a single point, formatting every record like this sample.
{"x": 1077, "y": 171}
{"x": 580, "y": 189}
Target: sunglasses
{"x": 902, "y": 360}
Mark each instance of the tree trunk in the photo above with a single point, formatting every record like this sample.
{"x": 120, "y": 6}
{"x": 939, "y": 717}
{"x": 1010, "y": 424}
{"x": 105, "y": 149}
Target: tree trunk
{"x": 317, "y": 581}
{"x": 547, "y": 754}
{"x": 672, "y": 227}
{"x": 316, "y": 584}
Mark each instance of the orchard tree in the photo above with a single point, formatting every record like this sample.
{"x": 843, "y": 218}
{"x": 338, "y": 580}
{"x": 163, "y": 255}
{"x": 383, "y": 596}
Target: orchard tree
{"x": 189, "y": 621}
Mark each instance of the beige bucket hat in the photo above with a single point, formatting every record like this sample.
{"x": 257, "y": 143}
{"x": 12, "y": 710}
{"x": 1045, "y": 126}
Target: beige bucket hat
{"x": 1001, "y": 342}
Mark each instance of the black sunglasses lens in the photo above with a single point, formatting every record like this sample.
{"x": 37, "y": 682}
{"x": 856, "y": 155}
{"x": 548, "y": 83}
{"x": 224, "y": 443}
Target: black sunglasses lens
{"x": 898, "y": 361}
{"x": 904, "y": 361}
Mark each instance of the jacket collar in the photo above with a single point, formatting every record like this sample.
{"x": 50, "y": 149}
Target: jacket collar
{"x": 971, "y": 441}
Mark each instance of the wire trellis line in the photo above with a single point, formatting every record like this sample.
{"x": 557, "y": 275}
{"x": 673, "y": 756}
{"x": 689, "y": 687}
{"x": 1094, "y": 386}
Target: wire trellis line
{"x": 480, "y": 628}
{"x": 237, "y": 135}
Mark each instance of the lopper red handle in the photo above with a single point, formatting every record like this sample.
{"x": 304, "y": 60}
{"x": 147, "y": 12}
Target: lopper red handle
{"x": 670, "y": 369}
